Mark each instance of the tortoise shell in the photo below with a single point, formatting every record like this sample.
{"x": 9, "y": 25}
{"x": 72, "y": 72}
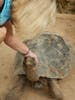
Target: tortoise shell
{"x": 53, "y": 53}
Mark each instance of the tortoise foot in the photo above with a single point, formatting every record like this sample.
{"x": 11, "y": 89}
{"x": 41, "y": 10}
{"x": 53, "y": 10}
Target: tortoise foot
{"x": 54, "y": 89}
{"x": 16, "y": 92}
{"x": 37, "y": 85}
{"x": 12, "y": 96}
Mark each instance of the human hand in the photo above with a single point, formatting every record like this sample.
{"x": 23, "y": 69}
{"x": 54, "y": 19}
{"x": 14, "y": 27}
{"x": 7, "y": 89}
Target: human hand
{"x": 32, "y": 55}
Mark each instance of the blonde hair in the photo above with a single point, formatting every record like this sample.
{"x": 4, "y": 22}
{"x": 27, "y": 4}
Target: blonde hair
{"x": 31, "y": 17}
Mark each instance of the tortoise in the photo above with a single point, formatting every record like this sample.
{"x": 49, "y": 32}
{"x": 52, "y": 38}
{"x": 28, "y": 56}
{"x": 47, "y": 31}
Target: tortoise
{"x": 54, "y": 56}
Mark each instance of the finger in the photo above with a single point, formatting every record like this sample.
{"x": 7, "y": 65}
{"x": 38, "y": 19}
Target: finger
{"x": 26, "y": 55}
{"x": 36, "y": 60}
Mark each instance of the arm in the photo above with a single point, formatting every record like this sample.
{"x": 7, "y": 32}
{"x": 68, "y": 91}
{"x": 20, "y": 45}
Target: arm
{"x": 2, "y": 33}
{"x": 13, "y": 41}
{"x": 16, "y": 44}
{"x": 1, "y": 3}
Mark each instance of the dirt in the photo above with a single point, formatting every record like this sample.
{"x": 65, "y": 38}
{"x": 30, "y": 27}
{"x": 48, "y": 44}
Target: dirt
{"x": 65, "y": 26}
{"x": 66, "y": 6}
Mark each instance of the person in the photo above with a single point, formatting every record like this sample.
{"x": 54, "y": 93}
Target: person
{"x": 6, "y": 32}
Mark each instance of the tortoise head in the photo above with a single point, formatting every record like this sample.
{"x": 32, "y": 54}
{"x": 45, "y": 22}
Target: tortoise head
{"x": 29, "y": 62}
{"x": 30, "y": 68}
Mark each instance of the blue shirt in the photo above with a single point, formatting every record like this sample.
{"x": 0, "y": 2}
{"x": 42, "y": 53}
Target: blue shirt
{"x": 5, "y": 12}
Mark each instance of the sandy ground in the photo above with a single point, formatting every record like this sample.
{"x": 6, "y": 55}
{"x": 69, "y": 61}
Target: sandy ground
{"x": 65, "y": 26}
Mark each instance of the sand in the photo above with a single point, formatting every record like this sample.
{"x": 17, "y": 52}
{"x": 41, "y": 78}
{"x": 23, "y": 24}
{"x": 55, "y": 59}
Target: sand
{"x": 65, "y": 26}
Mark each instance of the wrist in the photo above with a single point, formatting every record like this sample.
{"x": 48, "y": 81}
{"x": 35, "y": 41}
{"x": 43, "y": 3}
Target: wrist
{"x": 27, "y": 52}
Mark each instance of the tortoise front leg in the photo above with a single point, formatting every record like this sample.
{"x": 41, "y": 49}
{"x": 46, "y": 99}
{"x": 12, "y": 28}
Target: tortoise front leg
{"x": 54, "y": 89}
